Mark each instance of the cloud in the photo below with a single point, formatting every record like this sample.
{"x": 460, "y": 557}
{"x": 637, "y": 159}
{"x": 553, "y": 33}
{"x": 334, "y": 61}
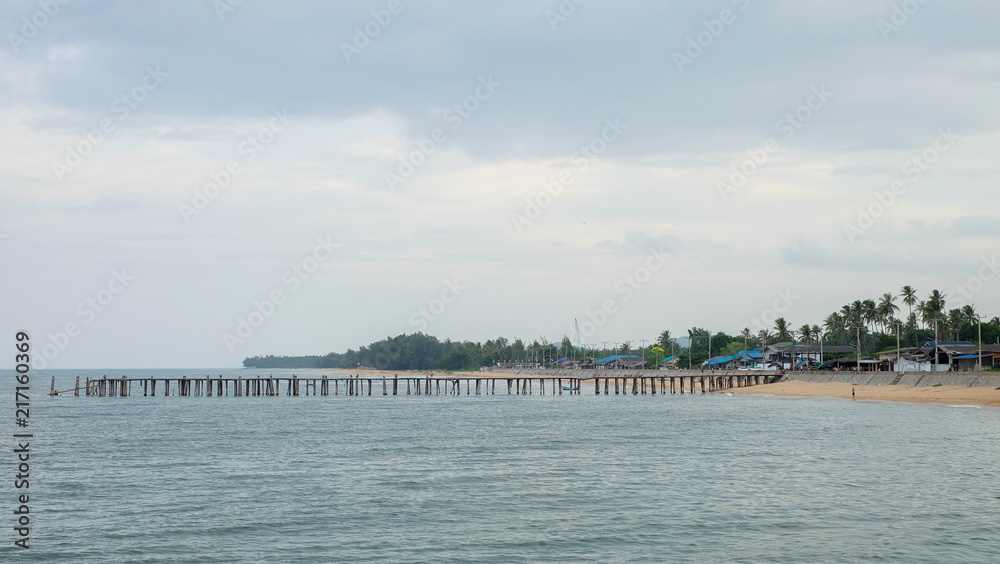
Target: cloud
{"x": 638, "y": 244}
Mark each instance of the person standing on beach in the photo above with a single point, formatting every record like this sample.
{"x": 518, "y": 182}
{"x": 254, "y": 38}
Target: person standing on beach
{"x": 852, "y": 393}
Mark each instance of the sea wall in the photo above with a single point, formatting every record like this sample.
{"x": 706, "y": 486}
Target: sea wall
{"x": 922, "y": 379}
{"x": 591, "y": 374}
{"x": 968, "y": 379}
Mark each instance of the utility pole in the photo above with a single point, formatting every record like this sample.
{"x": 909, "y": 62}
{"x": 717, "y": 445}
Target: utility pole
{"x": 643, "y": 353}
{"x": 899, "y": 353}
{"x": 936, "y": 363}
{"x": 859, "y": 348}
{"x": 980, "y": 359}
{"x": 821, "y": 339}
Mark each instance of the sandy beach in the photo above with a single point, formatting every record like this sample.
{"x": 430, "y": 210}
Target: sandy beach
{"x": 960, "y": 395}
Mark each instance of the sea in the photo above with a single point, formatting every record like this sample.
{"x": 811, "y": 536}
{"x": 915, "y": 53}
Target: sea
{"x": 506, "y": 478}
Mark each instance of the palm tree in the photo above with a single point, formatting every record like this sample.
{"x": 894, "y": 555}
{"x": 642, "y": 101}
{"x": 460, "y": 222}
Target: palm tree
{"x": 817, "y": 334}
{"x": 911, "y": 325}
{"x": 887, "y": 309}
{"x": 869, "y": 313}
{"x": 934, "y": 310}
{"x": 782, "y": 330}
{"x": 955, "y": 321}
{"x": 665, "y": 340}
{"x": 806, "y": 333}
{"x": 970, "y": 314}
{"x": 856, "y": 318}
{"x": 909, "y": 295}
{"x": 836, "y": 327}
{"x": 764, "y": 336}
{"x": 747, "y": 337}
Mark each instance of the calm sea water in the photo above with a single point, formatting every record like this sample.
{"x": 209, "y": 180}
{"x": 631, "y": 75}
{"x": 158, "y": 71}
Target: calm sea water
{"x": 711, "y": 478}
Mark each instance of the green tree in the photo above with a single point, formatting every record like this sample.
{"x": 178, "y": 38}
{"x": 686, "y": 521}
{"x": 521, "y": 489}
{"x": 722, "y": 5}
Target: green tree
{"x": 886, "y": 309}
{"x": 806, "y": 334}
{"x": 782, "y": 330}
{"x": 909, "y": 295}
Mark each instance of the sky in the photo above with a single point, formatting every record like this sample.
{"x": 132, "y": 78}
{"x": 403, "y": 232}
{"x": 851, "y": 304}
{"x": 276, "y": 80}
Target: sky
{"x": 188, "y": 183}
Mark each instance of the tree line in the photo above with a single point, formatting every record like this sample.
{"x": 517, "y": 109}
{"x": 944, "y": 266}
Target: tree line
{"x": 874, "y": 323}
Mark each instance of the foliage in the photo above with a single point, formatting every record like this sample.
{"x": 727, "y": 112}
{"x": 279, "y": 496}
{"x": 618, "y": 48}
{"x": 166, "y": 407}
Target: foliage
{"x": 873, "y": 322}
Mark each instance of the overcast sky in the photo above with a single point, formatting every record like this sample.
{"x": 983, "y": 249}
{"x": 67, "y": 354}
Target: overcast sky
{"x": 409, "y": 137}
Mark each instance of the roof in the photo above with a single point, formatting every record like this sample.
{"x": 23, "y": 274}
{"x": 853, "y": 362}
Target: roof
{"x": 669, "y": 358}
{"x": 930, "y": 344}
{"x": 616, "y": 357}
{"x": 720, "y": 360}
{"x": 802, "y": 348}
{"x": 964, "y": 348}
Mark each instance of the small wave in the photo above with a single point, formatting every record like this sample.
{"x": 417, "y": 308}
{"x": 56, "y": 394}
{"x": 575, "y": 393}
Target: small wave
{"x": 969, "y": 406}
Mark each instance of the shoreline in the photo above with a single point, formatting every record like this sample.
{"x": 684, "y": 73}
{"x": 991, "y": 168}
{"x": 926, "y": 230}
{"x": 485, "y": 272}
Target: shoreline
{"x": 948, "y": 395}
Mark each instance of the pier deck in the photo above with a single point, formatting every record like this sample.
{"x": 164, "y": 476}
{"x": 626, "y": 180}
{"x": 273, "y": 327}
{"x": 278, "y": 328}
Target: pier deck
{"x": 409, "y": 384}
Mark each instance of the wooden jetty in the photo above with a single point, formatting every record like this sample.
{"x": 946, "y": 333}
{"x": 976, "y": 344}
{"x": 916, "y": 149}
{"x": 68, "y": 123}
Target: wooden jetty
{"x": 409, "y": 384}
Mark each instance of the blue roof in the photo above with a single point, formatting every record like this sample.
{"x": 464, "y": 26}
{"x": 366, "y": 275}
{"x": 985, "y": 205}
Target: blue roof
{"x": 722, "y": 360}
{"x": 669, "y": 358}
{"x": 972, "y": 355}
{"x": 616, "y": 356}
{"x": 747, "y": 354}
{"x": 560, "y": 360}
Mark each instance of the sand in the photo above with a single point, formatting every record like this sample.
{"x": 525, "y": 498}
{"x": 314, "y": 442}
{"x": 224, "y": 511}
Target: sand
{"x": 957, "y": 395}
